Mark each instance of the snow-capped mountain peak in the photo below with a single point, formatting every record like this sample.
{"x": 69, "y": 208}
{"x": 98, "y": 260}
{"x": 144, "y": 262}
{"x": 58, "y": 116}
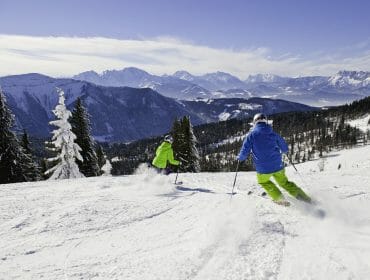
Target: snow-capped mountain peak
{"x": 133, "y": 71}
{"x": 129, "y": 76}
{"x": 263, "y": 78}
{"x": 222, "y": 81}
{"x": 30, "y": 79}
{"x": 350, "y": 78}
{"x": 341, "y": 88}
{"x": 220, "y": 76}
{"x": 168, "y": 85}
{"x": 212, "y": 81}
{"x": 184, "y": 75}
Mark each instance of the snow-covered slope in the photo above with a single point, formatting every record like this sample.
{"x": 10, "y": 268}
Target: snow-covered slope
{"x": 144, "y": 227}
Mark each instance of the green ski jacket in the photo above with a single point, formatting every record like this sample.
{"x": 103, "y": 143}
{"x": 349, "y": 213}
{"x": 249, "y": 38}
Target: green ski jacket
{"x": 164, "y": 154}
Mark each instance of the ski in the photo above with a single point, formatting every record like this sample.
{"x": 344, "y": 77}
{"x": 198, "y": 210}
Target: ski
{"x": 310, "y": 208}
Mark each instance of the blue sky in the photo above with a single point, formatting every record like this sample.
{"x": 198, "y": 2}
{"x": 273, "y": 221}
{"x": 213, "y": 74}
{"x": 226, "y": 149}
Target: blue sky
{"x": 310, "y": 33}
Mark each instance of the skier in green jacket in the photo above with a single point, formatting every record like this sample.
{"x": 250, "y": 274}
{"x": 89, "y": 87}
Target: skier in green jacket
{"x": 164, "y": 155}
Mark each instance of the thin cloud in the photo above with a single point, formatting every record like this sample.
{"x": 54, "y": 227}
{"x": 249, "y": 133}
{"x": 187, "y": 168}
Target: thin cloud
{"x": 66, "y": 56}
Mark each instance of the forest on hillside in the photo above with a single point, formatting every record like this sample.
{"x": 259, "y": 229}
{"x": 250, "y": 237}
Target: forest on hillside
{"x": 310, "y": 135}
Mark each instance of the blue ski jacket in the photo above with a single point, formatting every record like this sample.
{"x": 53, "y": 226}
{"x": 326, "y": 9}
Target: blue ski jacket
{"x": 266, "y": 147}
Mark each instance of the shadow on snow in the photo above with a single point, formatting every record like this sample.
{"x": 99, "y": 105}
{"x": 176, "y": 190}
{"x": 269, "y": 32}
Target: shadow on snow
{"x": 185, "y": 189}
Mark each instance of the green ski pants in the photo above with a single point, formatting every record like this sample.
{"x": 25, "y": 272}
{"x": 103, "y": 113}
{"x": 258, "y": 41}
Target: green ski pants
{"x": 282, "y": 180}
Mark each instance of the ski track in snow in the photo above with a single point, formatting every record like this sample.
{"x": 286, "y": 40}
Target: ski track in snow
{"x": 144, "y": 227}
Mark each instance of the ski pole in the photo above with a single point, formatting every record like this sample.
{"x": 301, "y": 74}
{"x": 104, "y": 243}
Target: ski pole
{"x": 177, "y": 174}
{"x": 299, "y": 174}
{"x": 236, "y": 174}
{"x": 291, "y": 162}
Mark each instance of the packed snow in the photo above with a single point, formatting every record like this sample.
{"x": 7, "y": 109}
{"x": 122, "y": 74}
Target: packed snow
{"x": 144, "y": 227}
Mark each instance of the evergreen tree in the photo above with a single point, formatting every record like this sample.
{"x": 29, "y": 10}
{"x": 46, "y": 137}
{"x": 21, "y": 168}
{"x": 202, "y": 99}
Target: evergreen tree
{"x": 63, "y": 142}
{"x": 13, "y": 161}
{"x": 25, "y": 143}
{"x": 44, "y": 168}
{"x": 191, "y": 140}
{"x": 185, "y": 145}
{"x": 31, "y": 170}
{"x": 81, "y": 128}
{"x": 178, "y": 139}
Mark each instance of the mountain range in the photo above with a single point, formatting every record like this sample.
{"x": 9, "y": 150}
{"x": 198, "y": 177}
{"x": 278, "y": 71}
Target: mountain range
{"x": 344, "y": 87}
{"x": 122, "y": 113}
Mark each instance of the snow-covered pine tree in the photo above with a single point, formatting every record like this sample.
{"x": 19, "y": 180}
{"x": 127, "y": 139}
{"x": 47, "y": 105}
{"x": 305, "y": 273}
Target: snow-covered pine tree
{"x": 81, "y": 128}
{"x": 32, "y": 170}
{"x": 185, "y": 145}
{"x": 13, "y": 161}
{"x": 63, "y": 141}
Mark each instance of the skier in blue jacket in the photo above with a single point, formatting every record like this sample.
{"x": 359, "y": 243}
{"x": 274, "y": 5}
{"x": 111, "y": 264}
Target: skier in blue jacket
{"x": 267, "y": 147}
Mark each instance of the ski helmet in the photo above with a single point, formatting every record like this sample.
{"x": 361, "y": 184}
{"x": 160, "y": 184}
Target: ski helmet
{"x": 258, "y": 118}
{"x": 168, "y": 138}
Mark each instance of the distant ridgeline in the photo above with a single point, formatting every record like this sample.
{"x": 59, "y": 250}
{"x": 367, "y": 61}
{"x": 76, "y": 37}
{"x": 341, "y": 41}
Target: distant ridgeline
{"x": 309, "y": 135}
